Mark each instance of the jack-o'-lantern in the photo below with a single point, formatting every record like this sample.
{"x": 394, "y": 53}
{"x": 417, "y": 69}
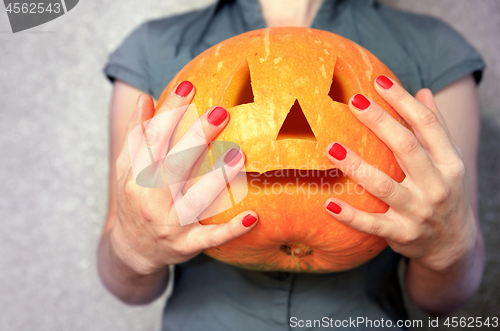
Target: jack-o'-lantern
{"x": 286, "y": 90}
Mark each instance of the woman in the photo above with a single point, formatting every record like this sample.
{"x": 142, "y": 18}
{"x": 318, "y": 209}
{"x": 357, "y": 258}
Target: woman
{"x": 432, "y": 219}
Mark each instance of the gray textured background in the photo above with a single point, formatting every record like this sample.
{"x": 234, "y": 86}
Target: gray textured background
{"x": 53, "y": 161}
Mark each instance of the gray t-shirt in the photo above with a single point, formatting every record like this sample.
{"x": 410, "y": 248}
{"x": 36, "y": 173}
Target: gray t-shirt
{"x": 209, "y": 295}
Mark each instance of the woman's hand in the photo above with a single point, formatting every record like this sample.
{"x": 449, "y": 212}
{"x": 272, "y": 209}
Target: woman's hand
{"x": 430, "y": 219}
{"x": 147, "y": 234}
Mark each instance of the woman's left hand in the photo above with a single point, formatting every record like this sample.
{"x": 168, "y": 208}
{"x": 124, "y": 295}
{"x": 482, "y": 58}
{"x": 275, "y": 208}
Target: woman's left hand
{"x": 430, "y": 218}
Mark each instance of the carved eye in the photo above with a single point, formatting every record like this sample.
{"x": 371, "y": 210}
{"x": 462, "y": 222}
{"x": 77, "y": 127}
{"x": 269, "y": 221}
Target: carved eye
{"x": 337, "y": 91}
{"x": 239, "y": 89}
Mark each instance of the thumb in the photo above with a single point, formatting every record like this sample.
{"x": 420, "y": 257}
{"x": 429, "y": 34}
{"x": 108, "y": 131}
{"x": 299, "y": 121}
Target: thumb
{"x": 143, "y": 112}
{"x": 214, "y": 235}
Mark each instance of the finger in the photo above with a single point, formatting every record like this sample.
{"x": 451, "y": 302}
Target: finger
{"x": 144, "y": 110}
{"x": 152, "y": 146}
{"x": 213, "y": 235}
{"x": 425, "y": 121}
{"x": 373, "y": 180}
{"x": 425, "y": 97}
{"x": 412, "y": 156}
{"x": 203, "y": 193}
{"x": 179, "y": 97}
{"x": 185, "y": 153}
{"x": 374, "y": 224}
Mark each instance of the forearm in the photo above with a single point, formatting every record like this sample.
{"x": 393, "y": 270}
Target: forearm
{"x": 442, "y": 292}
{"x": 125, "y": 283}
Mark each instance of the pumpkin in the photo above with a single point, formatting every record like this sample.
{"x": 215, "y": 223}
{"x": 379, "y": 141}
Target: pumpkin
{"x": 287, "y": 90}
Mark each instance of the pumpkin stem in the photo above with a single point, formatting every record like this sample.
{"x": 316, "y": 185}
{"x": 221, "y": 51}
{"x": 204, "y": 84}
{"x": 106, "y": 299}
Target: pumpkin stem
{"x": 296, "y": 249}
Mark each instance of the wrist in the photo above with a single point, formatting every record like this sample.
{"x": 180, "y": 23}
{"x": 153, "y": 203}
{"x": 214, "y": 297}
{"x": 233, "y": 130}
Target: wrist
{"x": 128, "y": 259}
{"x": 452, "y": 258}
{"x": 457, "y": 251}
{"x": 442, "y": 290}
{"x": 123, "y": 281}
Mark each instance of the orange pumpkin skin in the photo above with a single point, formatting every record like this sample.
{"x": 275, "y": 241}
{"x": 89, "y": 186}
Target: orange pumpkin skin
{"x": 320, "y": 71}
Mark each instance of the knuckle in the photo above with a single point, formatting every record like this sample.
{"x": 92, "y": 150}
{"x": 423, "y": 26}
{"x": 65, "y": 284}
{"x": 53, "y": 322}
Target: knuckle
{"x": 400, "y": 97}
{"x": 163, "y": 232}
{"x": 170, "y": 104}
{"x": 154, "y": 134}
{"x": 374, "y": 228}
{"x": 193, "y": 199}
{"x": 198, "y": 135}
{"x": 213, "y": 240}
{"x": 179, "y": 248}
{"x": 348, "y": 218}
{"x": 217, "y": 176}
{"x": 379, "y": 117}
{"x": 384, "y": 188}
{"x": 174, "y": 164}
{"x": 426, "y": 214}
{"x": 410, "y": 236}
{"x": 233, "y": 232}
{"x": 355, "y": 166}
{"x": 428, "y": 118}
{"x": 407, "y": 239}
{"x": 408, "y": 144}
{"x": 440, "y": 194}
{"x": 129, "y": 189}
{"x": 147, "y": 214}
{"x": 457, "y": 170}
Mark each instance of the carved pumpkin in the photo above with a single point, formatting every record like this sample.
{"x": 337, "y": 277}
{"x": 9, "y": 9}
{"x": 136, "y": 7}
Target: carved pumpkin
{"x": 286, "y": 90}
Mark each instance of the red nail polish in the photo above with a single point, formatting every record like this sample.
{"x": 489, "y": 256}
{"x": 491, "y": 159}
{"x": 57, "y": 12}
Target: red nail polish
{"x": 334, "y": 208}
{"x": 337, "y": 151}
{"x": 184, "y": 89}
{"x": 232, "y": 157}
{"x": 384, "y": 82}
{"x": 217, "y": 116}
{"x": 248, "y": 220}
{"x": 360, "y": 102}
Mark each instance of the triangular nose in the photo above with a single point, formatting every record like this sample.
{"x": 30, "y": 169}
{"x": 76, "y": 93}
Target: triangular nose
{"x": 296, "y": 126}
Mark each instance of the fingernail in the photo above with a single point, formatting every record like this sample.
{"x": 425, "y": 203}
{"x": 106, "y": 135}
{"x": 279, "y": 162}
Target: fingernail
{"x": 248, "y": 220}
{"x": 334, "y": 208}
{"x": 360, "y": 102}
{"x": 217, "y": 116}
{"x": 184, "y": 89}
{"x": 384, "y": 82}
{"x": 232, "y": 157}
{"x": 337, "y": 151}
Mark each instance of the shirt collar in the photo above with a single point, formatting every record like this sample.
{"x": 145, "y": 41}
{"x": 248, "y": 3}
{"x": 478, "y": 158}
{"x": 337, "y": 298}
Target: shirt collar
{"x": 254, "y": 20}
{"x": 252, "y": 14}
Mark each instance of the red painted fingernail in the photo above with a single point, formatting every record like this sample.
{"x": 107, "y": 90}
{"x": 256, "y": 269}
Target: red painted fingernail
{"x": 217, "y": 116}
{"x": 248, "y": 220}
{"x": 384, "y": 82}
{"x": 334, "y": 208}
{"x": 184, "y": 89}
{"x": 360, "y": 102}
{"x": 232, "y": 157}
{"x": 337, "y": 151}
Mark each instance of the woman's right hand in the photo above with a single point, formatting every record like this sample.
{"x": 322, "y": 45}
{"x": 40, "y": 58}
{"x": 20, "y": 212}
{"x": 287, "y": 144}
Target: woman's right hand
{"x": 147, "y": 234}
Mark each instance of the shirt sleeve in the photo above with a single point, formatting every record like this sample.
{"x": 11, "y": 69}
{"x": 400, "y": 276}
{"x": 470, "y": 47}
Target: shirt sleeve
{"x": 129, "y": 62}
{"x": 451, "y": 57}
{"x": 443, "y": 55}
